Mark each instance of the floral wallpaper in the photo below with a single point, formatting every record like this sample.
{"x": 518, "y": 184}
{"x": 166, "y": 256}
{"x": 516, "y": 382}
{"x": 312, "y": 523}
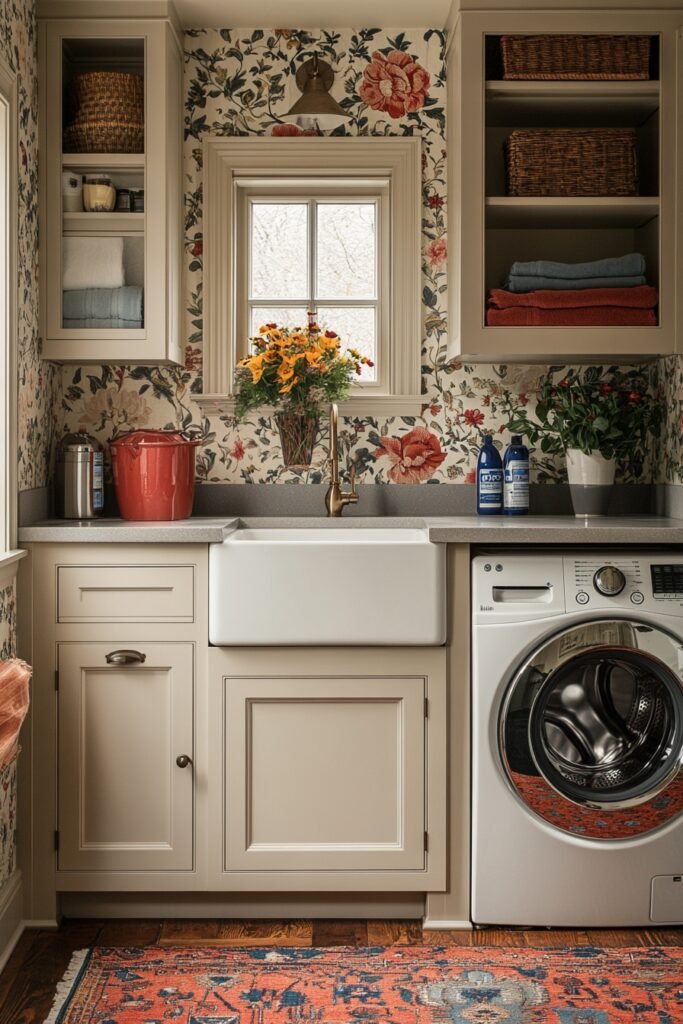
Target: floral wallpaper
{"x": 669, "y": 380}
{"x": 37, "y": 399}
{"x": 391, "y": 82}
{"x": 8, "y": 621}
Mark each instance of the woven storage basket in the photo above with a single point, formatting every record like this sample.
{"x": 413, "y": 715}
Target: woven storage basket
{"x": 107, "y": 113}
{"x": 576, "y": 58}
{"x": 95, "y": 93}
{"x": 105, "y": 137}
{"x": 572, "y": 162}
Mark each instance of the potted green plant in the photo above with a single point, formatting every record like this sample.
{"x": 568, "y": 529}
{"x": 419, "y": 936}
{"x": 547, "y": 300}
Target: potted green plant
{"x": 297, "y": 371}
{"x": 596, "y": 423}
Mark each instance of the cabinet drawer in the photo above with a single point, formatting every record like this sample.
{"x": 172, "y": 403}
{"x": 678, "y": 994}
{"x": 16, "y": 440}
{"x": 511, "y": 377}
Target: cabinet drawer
{"x": 125, "y": 593}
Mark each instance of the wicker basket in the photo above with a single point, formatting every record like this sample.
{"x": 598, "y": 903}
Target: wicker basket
{"x": 98, "y": 92}
{"x": 107, "y": 113}
{"x": 572, "y": 162}
{"x": 105, "y": 137}
{"x": 576, "y": 58}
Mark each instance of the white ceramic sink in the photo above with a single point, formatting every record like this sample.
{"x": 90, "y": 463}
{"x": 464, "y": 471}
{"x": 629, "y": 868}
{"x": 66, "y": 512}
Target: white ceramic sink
{"x": 346, "y": 586}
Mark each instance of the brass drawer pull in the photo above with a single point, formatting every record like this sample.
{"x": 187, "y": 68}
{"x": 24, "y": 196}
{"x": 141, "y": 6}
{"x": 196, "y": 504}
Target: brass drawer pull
{"x": 183, "y": 760}
{"x": 125, "y": 658}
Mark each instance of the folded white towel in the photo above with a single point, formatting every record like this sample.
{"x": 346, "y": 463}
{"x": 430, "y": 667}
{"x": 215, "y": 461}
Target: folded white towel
{"x": 92, "y": 263}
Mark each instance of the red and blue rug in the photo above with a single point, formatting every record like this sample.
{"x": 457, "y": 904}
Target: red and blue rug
{"x": 393, "y": 985}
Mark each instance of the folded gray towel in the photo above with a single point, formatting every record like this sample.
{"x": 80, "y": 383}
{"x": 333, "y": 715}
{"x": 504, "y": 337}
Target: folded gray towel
{"x": 517, "y": 283}
{"x": 100, "y": 306}
{"x": 631, "y": 265}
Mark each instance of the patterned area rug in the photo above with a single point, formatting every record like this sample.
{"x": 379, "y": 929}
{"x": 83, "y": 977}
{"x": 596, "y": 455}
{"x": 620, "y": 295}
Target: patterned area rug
{"x": 393, "y": 985}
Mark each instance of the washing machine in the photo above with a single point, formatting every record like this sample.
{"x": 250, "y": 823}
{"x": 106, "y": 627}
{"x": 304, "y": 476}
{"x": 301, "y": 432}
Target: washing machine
{"x": 577, "y": 738}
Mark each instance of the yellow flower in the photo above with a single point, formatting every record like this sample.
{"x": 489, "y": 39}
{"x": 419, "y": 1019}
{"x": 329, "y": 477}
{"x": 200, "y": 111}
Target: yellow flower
{"x": 288, "y": 387}
{"x": 255, "y": 365}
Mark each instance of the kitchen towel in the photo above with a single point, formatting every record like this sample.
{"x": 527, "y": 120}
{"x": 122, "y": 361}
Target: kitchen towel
{"x": 92, "y": 262}
{"x": 517, "y": 283}
{"x": 14, "y": 701}
{"x": 104, "y": 307}
{"x": 641, "y": 297}
{"x": 631, "y": 265}
{"x": 586, "y": 316}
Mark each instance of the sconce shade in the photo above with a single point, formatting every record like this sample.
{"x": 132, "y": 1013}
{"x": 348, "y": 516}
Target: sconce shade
{"x": 314, "y": 78}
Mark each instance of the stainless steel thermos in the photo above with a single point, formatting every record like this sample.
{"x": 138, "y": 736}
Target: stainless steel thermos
{"x": 79, "y": 481}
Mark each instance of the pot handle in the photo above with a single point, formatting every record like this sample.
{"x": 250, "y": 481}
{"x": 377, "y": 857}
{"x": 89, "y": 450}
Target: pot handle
{"x": 194, "y": 435}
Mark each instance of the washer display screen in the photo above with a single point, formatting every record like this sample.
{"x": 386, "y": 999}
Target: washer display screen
{"x": 667, "y": 579}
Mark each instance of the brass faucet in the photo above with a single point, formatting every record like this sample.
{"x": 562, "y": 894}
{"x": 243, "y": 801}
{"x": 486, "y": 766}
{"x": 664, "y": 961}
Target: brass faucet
{"x": 335, "y": 499}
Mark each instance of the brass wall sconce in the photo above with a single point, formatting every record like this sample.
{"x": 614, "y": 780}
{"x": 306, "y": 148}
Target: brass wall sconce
{"x": 314, "y": 79}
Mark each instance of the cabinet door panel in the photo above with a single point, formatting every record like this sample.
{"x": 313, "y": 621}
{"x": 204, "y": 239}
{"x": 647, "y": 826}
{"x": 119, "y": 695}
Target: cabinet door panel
{"x": 124, "y": 804}
{"x": 324, "y": 773}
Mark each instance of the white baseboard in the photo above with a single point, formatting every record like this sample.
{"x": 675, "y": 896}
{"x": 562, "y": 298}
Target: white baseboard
{"x": 11, "y": 916}
{"x": 430, "y": 924}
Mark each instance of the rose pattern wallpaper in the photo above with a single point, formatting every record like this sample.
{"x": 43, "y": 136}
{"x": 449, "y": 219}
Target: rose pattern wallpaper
{"x": 8, "y": 621}
{"x": 240, "y": 82}
{"x": 37, "y": 395}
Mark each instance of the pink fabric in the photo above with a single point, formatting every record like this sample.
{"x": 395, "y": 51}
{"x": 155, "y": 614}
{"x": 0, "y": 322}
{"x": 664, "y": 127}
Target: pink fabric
{"x": 589, "y": 316}
{"x": 642, "y": 296}
{"x": 14, "y": 701}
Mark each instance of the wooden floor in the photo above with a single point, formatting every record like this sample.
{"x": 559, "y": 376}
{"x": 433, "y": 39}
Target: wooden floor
{"x": 27, "y": 984}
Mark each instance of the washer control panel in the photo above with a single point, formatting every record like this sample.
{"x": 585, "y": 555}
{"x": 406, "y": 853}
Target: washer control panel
{"x": 624, "y": 582}
{"x": 522, "y": 585}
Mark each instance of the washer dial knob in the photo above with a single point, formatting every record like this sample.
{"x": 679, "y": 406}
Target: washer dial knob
{"x": 609, "y": 581}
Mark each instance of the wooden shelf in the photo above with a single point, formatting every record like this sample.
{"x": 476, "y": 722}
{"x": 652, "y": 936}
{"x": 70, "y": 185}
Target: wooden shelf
{"x": 567, "y": 212}
{"x": 115, "y": 223}
{"x": 571, "y": 104}
{"x": 104, "y": 161}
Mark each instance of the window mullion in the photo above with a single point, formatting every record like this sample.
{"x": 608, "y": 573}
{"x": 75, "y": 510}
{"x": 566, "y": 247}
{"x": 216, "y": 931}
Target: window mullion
{"x": 312, "y": 252}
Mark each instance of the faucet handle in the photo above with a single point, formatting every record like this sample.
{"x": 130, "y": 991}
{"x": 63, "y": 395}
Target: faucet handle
{"x": 352, "y": 477}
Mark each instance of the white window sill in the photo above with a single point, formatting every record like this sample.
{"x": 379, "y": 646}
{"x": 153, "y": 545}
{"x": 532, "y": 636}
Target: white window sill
{"x": 374, "y": 406}
{"x": 8, "y": 561}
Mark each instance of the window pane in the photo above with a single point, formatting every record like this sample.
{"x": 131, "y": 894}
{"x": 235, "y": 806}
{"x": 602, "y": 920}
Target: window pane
{"x": 283, "y": 316}
{"x": 279, "y": 251}
{"x": 356, "y": 326}
{"x": 346, "y": 251}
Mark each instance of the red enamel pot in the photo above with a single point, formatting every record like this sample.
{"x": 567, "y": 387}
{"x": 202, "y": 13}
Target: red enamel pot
{"x": 154, "y": 473}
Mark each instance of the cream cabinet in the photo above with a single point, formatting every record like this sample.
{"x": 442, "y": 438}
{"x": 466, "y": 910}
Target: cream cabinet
{"x": 331, "y": 768}
{"x": 125, "y": 756}
{"x": 110, "y": 281}
{"x": 490, "y": 229}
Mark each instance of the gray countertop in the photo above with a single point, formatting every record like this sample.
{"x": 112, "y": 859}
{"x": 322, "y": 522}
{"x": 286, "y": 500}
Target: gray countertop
{"x": 641, "y": 530}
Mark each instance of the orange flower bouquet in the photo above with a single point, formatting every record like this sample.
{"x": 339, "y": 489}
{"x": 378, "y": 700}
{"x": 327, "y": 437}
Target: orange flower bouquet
{"x": 298, "y": 371}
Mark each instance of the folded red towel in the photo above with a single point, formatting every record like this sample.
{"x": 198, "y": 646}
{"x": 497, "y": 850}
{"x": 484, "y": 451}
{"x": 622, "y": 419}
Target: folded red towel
{"x": 642, "y": 296}
{"x": 589, "y": 316}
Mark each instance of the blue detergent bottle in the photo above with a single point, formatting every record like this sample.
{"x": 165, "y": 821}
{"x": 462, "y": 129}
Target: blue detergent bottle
{"x": 489, "y": 480}
{"x": 516, "y": 478}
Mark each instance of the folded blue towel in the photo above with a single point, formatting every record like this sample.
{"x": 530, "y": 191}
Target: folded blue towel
{"x": 99, "y": 324}
{"x": 631, "y": 265}
{"x": 516, "y": 283}
{"x": 104, "y": 307}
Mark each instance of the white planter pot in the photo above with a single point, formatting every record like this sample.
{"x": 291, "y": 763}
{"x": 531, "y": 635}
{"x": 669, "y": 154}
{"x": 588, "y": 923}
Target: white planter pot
{"x": 590, "y": 481}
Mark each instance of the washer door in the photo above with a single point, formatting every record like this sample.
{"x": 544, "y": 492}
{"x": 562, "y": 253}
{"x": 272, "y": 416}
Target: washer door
{"x": 591, "y": 730}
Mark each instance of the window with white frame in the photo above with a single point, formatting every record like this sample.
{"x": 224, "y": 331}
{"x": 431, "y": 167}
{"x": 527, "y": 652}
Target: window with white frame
{"x": 324, "y": 225}
{"x": 8, "y": 287}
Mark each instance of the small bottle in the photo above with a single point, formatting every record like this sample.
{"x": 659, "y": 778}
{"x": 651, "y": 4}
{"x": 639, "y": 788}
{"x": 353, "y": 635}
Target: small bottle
{"x": 489, "y": 480}
{"x": 516, "y": 467}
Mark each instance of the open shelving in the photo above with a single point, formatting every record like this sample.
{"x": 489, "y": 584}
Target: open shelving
{"x": 492, "y": 229}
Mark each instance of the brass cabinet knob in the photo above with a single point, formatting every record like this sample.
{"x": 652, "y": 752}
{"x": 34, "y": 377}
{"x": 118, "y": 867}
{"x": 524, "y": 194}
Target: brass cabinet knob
{"x": 183, "y": 760}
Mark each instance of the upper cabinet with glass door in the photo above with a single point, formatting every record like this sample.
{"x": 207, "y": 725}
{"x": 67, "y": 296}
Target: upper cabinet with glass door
{"x": 602, "y": 97}
{"x": 111, "y": 187}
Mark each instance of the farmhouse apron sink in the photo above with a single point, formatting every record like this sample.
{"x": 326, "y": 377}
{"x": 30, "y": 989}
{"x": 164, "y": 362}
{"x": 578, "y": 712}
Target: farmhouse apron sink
{"x": 312, "y": 587}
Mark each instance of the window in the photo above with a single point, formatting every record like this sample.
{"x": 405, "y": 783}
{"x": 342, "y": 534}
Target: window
{"x": 324, "y": 224}
{"x": 8, "y": 290}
